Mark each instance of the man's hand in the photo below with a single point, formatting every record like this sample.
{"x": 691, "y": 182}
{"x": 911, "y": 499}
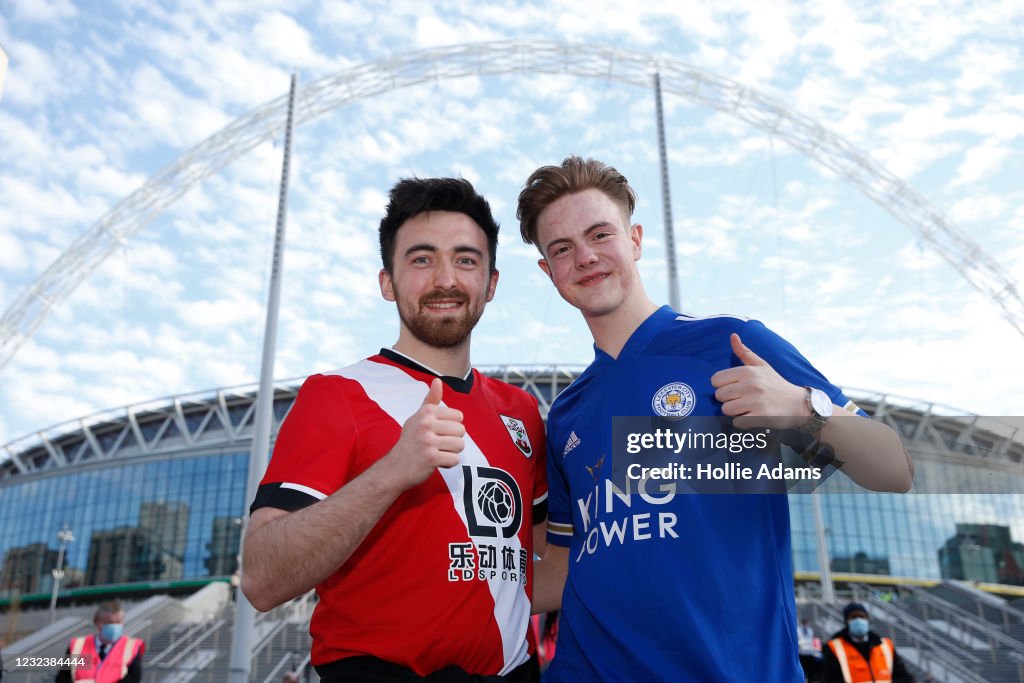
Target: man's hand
{"x": 755, "y": 389}
{"x": 871, "y": 453}
{"x": 432, "y": 437}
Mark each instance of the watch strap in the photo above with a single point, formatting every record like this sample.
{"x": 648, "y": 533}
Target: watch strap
{"x": 816, "y": 421}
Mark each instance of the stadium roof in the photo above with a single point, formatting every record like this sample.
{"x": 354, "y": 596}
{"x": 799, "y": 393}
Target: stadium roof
{"x": 222, "y": 419}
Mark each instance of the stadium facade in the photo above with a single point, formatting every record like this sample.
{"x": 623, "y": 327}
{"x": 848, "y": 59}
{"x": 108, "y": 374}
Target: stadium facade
{"x": 153, "y": 494}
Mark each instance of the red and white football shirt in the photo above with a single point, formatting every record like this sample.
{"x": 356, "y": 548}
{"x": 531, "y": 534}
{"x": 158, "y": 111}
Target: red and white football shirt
{"x": 445, "y": 575}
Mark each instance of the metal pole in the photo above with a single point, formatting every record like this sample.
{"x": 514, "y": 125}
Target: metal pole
{"x": 828, "y": 591}
{"x": 65, "y": 536}
{"x": 245, "y": 614}
{"x": 666, "y": 202}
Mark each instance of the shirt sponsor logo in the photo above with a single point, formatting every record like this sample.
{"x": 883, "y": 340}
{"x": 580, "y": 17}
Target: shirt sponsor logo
{"x": 602, "y": 523}
{"x": 494, "y": 504}
{"x": 494, "y": 510}
{"x": 486, "y": 561}
{"x": 675, "y": 399}
{"x": 572, "y": 443}
{"x": 520, "y": 437}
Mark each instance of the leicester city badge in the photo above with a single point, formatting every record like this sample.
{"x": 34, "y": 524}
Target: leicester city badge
{"x": 674, "y": 400}
{"x": 517, "y": 430}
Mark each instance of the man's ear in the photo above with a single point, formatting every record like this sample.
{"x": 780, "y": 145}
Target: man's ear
{"x": 493, "y": 285}
{"x": 543, "y": 263}
{"x": 387, "y": 288}
{"x": 636, "y": 235}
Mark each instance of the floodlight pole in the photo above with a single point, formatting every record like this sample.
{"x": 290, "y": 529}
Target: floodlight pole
{"x": 64, "y": 536}
{"x": 245, "y": 613}
{"x": 666, "y": 201}
{"x": 828, "y": 591}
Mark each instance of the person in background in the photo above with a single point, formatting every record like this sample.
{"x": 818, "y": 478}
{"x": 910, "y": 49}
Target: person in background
{"x": 857, "y": 654}
{"x": 810, "y": 652}
{"x": 110, "y": 656}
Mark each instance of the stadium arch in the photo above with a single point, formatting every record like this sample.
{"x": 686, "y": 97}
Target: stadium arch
{"x": 812, "y": 139}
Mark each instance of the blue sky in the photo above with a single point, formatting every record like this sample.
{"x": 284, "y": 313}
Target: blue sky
{"x": 100, "y": 96}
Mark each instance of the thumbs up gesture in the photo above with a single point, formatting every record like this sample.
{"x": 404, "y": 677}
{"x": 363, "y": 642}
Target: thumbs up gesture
{"x": 755, "y": 389}
{"x": 432, "y": 437}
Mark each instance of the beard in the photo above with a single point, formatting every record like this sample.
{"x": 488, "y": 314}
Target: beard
{"x": 442, "y": 332}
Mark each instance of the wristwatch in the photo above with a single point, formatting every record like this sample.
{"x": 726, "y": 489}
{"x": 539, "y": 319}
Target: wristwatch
{"x": 821, "y": 410}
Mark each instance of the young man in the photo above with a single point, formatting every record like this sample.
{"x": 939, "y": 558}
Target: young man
{"x": 405, "y": 487}
{"x": 109, "y": 655}
{"x": 664, "y": 586}
{"x": 857, "y": 654}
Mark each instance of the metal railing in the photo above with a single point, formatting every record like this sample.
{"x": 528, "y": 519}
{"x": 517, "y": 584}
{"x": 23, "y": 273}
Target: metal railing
{"x": 965, "y": 621}
{"x": 934, "y": 647}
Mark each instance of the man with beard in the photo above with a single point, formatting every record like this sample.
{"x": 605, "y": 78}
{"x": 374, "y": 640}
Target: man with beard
{"x": 406, "y": 487}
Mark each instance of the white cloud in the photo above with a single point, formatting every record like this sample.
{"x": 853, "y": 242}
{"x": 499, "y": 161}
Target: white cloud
{"x": 158, "y": 108}
{"x": 432, "y": 30}
{"x": 985, "y": 65}
{"x": 287, "y": 42}
{"x": 981, "y": 161}
{"x": 771, "y": 40}
{"x": 51, "y": 209}
{"x": 12, "y": 255}
{"x": 978, "y": 209}
{"x": 344, "y": 17}
{"x": 43, "y": 11}
{"x": 854, "y": 44}
{"x": 372, "y": 201}
{"x": 110, "y": 181}
{"x": 928, "y": 91}
{"x": 32, "y": 77}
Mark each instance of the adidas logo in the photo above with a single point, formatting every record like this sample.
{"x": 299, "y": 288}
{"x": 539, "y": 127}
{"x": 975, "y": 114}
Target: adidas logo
{"x": 572, "y": 443}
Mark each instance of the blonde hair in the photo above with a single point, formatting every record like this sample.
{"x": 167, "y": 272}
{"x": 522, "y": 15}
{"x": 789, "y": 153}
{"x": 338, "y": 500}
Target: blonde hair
{"x": 548, "y": 184}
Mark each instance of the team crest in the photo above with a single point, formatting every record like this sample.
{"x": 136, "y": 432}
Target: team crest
{"x": 520, "y": 437}
{"x": 674, "y": 400}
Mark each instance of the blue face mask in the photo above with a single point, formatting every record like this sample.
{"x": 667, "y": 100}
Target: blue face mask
{"x": 111, "y": 632}
{"x": 859, "y": 627}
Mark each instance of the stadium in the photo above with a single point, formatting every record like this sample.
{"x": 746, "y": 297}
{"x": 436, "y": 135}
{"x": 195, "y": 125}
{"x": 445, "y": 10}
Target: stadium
{"x": 153, "y": 495}
{"x": 145, "y": 502}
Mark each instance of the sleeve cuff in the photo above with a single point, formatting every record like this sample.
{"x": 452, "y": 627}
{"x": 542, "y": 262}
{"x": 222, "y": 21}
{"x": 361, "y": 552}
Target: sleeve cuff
{"x": 285, "y": 496}
{"x": 559, "y": 533}
{"x": 540, "y": 508}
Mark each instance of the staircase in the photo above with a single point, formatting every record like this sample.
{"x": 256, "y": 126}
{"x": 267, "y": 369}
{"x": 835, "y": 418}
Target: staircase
{"x": 185, "y": 643}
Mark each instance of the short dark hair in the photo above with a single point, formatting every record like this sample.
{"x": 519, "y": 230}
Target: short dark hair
{"x": 108, "y": 607}
{"x": 852, "y": 608}
{"x": 548, "y": 184}
{"x": 413, "y": 196}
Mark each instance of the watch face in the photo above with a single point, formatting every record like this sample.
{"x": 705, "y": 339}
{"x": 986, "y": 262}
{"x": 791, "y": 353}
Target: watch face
{"x": 821, "y": 403}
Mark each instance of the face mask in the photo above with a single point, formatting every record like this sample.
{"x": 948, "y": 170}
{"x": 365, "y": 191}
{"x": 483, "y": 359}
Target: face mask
{"x": 111, "y": 632}
{"x": 858, "y": 627}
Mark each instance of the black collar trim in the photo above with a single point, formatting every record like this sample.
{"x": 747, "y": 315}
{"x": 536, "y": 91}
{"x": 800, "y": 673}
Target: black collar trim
{"x": 463, "y": 385}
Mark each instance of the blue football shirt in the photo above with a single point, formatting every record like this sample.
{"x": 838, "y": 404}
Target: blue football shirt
{"x": 667, "y": 586}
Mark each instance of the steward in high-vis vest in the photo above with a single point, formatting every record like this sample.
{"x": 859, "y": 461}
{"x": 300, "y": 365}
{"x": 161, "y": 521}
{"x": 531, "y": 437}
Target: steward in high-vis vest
{"x": 859, "y": 655}
{"x": 108, "y": 655}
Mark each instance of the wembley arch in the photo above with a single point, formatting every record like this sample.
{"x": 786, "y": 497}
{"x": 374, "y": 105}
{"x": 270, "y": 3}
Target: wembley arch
{"x": 137, "y": 210}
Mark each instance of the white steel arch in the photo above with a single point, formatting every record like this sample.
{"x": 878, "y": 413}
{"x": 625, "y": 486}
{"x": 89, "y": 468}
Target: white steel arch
{"x": 133, "y": 213}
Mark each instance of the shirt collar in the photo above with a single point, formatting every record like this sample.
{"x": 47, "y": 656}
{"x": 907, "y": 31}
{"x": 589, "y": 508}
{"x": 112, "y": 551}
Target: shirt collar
{"x": 463, "y": 385}
{"x": 637, "y": 341}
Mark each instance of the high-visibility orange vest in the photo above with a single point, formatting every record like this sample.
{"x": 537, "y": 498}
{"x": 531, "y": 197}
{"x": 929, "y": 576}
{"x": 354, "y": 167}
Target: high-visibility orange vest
{"x": 856, "y": 669}
{"x": 113, "y": 668}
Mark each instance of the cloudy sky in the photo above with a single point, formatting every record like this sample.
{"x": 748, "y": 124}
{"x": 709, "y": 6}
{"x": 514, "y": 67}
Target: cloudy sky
{"x": 101, "y": 96}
